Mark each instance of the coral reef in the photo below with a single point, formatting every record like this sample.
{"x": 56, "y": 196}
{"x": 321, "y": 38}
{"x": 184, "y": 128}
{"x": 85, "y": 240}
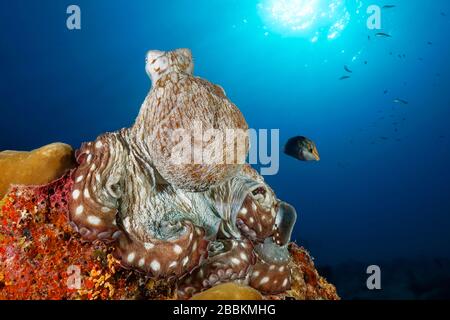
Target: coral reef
{"x": 36, "y": 167}
{"x": 181, "y": 215}
{"x": 40, "y": 254}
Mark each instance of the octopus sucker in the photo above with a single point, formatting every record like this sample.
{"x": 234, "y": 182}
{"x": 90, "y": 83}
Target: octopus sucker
{"x": 199, "y": 223}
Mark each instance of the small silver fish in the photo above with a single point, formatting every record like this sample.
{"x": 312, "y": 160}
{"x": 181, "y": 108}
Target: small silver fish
{"x": 301, "y": 148}
{"x": 348, "y": 69}
{"x": 401, "y": 101}
{"x": 344, "y": 77}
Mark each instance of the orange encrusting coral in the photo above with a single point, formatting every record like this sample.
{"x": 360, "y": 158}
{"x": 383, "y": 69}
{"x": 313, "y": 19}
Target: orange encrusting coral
{"x": 39, "y": 253}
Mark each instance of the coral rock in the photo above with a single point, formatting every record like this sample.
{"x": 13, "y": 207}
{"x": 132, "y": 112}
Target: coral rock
{"x": 229, "y": 291}
{"x": 36, "y": 167}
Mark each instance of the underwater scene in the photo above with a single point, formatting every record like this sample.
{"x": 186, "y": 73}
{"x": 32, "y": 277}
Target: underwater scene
{"x": 225, "y": 149}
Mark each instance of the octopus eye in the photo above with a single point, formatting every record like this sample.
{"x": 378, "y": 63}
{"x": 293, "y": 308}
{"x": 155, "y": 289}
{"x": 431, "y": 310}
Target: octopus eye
{"x": 114, "y": 190}
{"x": 260, "y": 190}
{"x": 263, "y": 197}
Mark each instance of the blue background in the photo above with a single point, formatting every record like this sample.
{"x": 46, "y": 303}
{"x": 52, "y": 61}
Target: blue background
{"x": 370, "y": 200}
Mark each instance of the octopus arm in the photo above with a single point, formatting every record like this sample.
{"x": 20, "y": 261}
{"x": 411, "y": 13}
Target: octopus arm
{"x": 230, "y": 260}
{"x": 285, "y": 221}
{"x": 93, "y": 201}
{"x": 247, "y": 205}
{"x": 163, "y": 258}
{"x": 271, "y": 273}
{"x": 227, "y": 200}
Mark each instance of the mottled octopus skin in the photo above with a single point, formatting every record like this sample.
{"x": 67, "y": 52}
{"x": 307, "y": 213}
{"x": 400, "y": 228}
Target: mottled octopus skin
{"x": 201, "y": 225}
{"x": 180, "y": 101}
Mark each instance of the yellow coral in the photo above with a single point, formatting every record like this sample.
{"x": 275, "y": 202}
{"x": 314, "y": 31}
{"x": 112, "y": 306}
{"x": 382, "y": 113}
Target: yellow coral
{"x": 37, "y": 167}
{"x": 229, "y": 291}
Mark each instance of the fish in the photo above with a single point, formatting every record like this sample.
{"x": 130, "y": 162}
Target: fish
{"x": 389, "y": 6}
{"x": 401, "y": 101}
{"x": 385, "y": 91}
{"x": 348, "y": 69}
{"x": 383, "y": 35}
{"x": 301, "y": 148}
{"x": 430, "y": 43}
{"x": 344, "y": 77}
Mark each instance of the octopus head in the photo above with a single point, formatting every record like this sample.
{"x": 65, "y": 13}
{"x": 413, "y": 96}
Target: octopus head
{"x": 159, "y": 63}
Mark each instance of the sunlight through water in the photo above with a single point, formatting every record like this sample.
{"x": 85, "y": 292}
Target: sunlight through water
{"x": 313, "y": 19}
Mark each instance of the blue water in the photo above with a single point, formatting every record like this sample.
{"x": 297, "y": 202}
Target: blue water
{"x": 369, "y": 199}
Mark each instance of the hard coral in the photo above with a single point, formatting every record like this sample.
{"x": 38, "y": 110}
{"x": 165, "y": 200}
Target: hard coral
{"x": 229, "y": 291}
{"x": 36, "y": 167}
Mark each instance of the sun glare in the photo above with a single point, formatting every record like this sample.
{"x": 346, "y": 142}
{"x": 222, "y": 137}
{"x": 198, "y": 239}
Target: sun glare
{"x": 307, "y": 18}
{"x": 294, "y": 14}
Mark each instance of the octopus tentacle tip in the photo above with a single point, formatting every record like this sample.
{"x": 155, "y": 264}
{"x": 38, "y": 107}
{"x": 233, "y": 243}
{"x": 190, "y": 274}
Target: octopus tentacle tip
{"x": 202, "y": 224}
{"x": 285, "y": 221}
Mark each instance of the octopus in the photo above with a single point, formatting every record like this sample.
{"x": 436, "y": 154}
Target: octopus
{"x": 200, "y": 223}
